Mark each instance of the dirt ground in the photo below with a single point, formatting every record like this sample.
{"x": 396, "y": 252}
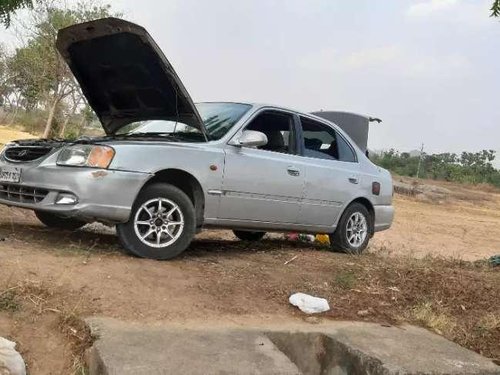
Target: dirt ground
{"x": 50, "y": 279}
{"x": 450, "y": 220}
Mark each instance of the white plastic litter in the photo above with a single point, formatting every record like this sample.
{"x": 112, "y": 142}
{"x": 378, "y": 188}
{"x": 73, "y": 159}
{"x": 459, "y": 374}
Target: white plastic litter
{"x": 309, "y": 304}
{"x": 11, "y": 362}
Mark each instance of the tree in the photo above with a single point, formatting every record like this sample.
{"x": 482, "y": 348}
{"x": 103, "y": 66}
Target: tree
{"x": 4, "y": 87}
{"x": 495, "y": 9}
{"x": 41, "y": 73}
{"x": 469, "y": 167}
{"x": 8, "y": 7}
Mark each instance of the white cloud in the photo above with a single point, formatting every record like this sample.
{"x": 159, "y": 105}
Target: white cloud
{"x": 371, "y": 57}
{"x": 445, "y": 66}
{"x": 473, "y": 15}
{"x": 394, "y": 60}
{"x": 331, "y": 59}
{"x": 425, "y": 8}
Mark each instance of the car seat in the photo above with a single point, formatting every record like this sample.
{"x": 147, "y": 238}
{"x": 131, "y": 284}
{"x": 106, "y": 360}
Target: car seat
{"x": 275, "y": 141}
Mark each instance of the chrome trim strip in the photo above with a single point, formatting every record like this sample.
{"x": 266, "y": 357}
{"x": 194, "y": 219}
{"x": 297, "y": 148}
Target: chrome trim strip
{"x": 215, "y": 192}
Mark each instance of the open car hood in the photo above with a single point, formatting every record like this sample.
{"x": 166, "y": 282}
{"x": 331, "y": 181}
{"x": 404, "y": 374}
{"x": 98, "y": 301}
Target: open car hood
{"x": 124, "y": 74}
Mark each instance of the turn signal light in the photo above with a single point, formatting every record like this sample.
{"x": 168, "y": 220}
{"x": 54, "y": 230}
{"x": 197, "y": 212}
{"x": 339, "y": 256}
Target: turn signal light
{"x": 100, "y": 156}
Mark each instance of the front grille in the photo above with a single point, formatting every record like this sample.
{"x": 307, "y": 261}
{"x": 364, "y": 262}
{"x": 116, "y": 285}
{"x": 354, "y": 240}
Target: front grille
{"x": 26, "y": 153}
{"x": 22, "y": 194}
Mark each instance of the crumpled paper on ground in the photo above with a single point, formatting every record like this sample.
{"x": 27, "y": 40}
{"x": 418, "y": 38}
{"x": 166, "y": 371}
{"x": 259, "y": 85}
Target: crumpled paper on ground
{"x": 309, "y": 304}
{"x": 11, "y": 362}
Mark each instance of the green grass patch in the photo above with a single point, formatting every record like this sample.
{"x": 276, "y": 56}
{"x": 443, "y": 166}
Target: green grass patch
{"x": 9, "y": 301}
{"x": 345, "y": 279}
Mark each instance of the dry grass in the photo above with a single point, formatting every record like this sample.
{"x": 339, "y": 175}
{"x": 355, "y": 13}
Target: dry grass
{"x": 79, "y": 335}
{"x": 426, "y": 315}
{"x": 30, "y": 302}
{"x": 444, "y": 192}
{"x": 8, "y": 134}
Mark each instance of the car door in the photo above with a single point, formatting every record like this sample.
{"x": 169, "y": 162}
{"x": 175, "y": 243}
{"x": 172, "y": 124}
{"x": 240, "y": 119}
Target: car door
{"x": 264, "y": 184}
{"x": 332, "y": 173}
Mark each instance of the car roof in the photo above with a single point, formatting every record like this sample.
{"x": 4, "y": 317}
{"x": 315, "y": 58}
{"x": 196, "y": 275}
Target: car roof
{"x": 258, "y": 105}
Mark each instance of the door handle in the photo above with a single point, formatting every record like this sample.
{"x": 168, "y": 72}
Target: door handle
{"x": 353, "y": 180}
{"x": 292, "y": 171}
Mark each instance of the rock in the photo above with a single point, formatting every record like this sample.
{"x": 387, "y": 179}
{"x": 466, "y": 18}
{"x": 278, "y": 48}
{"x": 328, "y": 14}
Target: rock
{"x": 366, "y": 312}
{"x": 312, "y": 320}
{"x": 11, "y": 362}
{"x": 495, "y": 260}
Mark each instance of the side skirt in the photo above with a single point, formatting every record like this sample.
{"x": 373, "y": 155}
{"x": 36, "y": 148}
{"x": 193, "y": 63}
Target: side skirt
{"x": 211, "y": 223}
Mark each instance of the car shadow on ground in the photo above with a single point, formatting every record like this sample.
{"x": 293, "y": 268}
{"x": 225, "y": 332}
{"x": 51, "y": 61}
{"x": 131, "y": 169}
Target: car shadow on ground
{"x": 20, "y": 235}
{"x": 102, "y": 240}
{"x": 203, "y": 247}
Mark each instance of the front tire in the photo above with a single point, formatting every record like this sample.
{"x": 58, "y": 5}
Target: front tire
{"x": 249, "y": 236}
{"x": 55, "y": 221}
{"x": 353, "y": 230}
{"x": 162, "y": 223}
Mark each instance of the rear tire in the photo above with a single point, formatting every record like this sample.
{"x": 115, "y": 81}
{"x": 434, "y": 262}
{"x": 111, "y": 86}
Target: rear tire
{"x": 249, "y": 236}
{"x": 162, "y": 223}
{"x": 52, "y": 220}
{"x": 353, "y": 230}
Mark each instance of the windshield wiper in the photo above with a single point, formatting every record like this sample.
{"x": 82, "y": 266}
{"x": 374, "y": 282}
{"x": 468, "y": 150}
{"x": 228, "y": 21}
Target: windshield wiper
{"x": 189, "y": 135}
{"x": 149, "y": 134}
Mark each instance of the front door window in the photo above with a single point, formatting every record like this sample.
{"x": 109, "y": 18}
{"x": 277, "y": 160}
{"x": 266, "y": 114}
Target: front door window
{"x": 278, "y": 127}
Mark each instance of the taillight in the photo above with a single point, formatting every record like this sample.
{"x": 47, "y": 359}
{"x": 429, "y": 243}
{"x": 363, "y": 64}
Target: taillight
{"x": 376, "y": 188}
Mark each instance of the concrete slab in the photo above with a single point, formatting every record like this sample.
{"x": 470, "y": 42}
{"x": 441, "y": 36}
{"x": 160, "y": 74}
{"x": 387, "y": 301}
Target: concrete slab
{"x": 124, "y": 349}
{"x": 413, "y": 350}
{"x": 367, "y": 348}
{"x": 336, "y": 348}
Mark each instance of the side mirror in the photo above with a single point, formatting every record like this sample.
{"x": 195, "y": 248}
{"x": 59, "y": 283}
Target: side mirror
{"x": 251, "y": 138}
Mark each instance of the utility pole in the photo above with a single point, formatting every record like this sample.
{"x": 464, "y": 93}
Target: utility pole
{"x": 420, "y": 159}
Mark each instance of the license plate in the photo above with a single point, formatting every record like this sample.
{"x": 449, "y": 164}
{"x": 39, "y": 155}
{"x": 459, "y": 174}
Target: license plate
{"x": 10, "y": 174}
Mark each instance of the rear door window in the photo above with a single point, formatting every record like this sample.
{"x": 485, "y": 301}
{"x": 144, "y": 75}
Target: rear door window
{"x": 346, "y": 152}
{"x": 323, "y": 142}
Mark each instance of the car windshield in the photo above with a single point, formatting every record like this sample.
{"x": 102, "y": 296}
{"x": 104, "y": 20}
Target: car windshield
{"x": 218, "y": 118}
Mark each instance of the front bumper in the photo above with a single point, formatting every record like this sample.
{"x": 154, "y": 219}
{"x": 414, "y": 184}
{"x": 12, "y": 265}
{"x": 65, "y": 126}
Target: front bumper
{"x": 103, "y": 195}
{"x": 383, "y": 217}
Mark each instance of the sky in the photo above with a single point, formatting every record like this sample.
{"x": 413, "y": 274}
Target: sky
{"x": 428, "y": 68}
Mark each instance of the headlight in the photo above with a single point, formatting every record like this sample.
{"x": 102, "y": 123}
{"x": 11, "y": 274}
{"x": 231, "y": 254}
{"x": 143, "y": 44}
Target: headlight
{"x": 94, "y": 156}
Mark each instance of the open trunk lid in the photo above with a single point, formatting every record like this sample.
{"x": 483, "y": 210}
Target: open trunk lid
{"x": 124, "y": 74}
{"x": 355, "y": 125}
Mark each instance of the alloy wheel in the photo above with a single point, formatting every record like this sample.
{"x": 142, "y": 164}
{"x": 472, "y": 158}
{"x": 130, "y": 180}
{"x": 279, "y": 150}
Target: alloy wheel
{"x": 158, "y": 222}
{"x": 357, "y": 229}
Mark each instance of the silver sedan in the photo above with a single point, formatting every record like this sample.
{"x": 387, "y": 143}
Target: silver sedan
{"x": 168, "y": 167}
